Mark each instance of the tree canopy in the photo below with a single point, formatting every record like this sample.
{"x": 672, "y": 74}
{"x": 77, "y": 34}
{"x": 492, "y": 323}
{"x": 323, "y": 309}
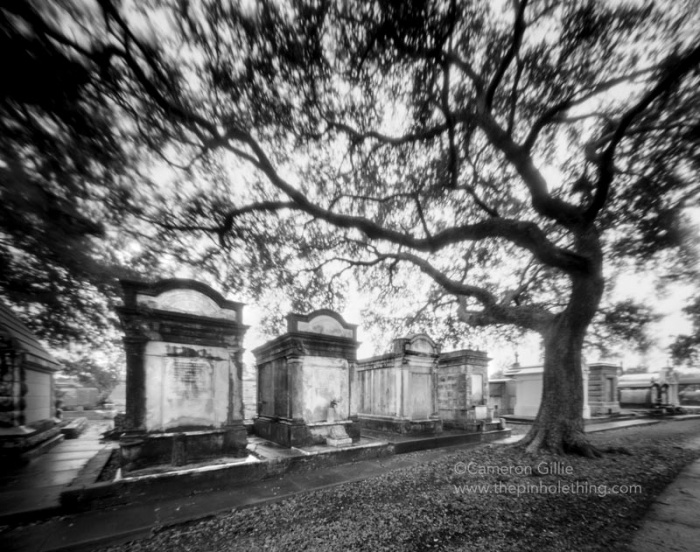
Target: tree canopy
{"x": 60, "y": 160}
{"x": 508, "y": 152}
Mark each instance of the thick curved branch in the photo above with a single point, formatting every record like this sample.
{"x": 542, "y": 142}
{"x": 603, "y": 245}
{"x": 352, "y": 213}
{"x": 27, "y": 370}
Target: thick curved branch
{"x": 531, "y": 318}
{"x": 519, "y": 157}
{"x": 528, "y": 317}
{"x": 522, "y": 233}
{"x": 676, "y": 69}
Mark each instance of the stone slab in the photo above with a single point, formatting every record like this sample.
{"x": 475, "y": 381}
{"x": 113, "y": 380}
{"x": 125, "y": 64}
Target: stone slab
{"x": 339, "y": 442}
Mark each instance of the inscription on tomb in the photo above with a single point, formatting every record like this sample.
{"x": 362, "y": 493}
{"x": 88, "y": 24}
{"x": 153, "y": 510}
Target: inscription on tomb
{"x": 190, "y": 376}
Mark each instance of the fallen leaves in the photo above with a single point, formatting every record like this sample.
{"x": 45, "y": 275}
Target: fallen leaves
{"x": 418, "y": 508}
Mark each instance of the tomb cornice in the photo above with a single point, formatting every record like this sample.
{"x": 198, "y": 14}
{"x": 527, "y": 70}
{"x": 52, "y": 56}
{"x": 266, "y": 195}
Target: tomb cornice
{"x": 300, "y": 344}
{"x": 175, "y": 327}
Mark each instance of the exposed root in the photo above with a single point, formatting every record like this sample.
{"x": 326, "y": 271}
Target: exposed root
{"x": 540, "y": 440}
{"x": 583, "y": 448}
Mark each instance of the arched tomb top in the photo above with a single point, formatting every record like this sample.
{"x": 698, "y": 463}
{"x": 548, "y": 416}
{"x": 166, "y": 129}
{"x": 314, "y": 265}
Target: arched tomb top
{"x": 416, "y": 343}
{"x": 323, "y": 321}
{"x": 421, "y": 343}
{"x": 181, "y": 296}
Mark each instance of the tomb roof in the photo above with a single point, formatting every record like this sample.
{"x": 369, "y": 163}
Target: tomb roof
{"x": 21, "y": 338}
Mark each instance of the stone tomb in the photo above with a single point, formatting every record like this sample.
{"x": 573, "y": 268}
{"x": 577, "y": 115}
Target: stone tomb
{"x": 183, "y": 344}
{"x": 463, "y": 390}
{"x": 304, "y": 382}
{"x": 27, "y": 398}
{"x": 602, "y": 389}
{"x": 397, "y": 392}
{"x": 599, "y": 389}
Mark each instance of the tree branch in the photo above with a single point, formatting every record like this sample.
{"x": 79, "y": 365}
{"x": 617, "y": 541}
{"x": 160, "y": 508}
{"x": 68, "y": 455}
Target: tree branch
{"x": 676, "y": 68}
{"x": 518, "y": 31}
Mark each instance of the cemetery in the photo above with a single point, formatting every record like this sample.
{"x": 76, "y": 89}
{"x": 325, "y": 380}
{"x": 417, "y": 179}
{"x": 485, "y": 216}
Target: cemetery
{"x": 185, "y": 432}
{"x": 317, "y": 404}
{"x": 436, "y": 183}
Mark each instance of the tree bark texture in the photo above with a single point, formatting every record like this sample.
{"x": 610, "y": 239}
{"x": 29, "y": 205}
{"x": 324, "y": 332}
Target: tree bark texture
{"x": 559, "y": 426}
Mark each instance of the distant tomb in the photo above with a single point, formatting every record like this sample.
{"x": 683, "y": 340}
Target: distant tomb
{"x": 397, "y": 392}
{"x": 73, "y": 394}
{"x": 602, "y": 389}
{"x": 183, "y": 344}
{"x": 463, "y": 390}
{"x": 600, "y": 384}
{"x": 304, "y": 382}
{"x": 649, "y": 390}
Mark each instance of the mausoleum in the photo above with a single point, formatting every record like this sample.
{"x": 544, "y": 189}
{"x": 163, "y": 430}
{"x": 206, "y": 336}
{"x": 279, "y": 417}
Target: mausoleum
{"x": 183, "y": 343}
{"x": 463, "y": 389}
{"x": 599, "y": 389}
{"x": 27, "y": 402}
{"x": 304, "y": 382}
{"x": 602, "y": 389}
{"x": 397, "y": 391}
{"x": 649, "y": 389}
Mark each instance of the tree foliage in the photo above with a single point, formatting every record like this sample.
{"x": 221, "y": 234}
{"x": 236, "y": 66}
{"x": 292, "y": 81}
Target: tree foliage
{"x": 60, "y": 163}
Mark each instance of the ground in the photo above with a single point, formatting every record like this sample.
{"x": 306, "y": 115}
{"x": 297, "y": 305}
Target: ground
{"x": 459, "y": 503}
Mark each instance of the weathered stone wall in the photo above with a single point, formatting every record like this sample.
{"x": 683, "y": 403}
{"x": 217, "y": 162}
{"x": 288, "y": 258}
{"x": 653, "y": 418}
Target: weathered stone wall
{"x": 304, "y": 382}
{"x": 186, "y": 386}
{"x": 183, "y": 345}
{"x": 602, "y": 389}
{"x": 250, "y": 392}
{"x": 11, "y": 414}
{"x": 397, "y": 391}
{"x": 462, "y": 385}
{"x": 38, "y": 403}
{"x": 377, "y": 387}
{"x": 325, "y": 380}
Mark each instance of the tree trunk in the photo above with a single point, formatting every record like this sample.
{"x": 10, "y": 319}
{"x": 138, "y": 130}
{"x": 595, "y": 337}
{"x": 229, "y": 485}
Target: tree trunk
{"x": 558, "y": 427}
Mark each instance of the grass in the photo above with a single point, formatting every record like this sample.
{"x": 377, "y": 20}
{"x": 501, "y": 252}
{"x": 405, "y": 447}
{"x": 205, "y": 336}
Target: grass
{"x": 436, "y": 506}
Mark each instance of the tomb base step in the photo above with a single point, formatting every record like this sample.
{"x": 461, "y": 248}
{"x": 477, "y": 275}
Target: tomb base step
{"x": 292, "y": 433}
{"x": 74, "y": 428}
{"x": 143, "y": 450}
{"x": 401, "y": 426}
{"x": 22, "y": 448}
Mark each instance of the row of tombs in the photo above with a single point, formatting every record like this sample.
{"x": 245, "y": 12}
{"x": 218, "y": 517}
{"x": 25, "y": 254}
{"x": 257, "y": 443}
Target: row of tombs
{"x": 184, "y": 404}
{"x": 187, "y": 394}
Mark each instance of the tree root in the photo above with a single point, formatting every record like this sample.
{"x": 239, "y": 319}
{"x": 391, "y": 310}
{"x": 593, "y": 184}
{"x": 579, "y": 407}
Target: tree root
{"x": 542, "y": 440}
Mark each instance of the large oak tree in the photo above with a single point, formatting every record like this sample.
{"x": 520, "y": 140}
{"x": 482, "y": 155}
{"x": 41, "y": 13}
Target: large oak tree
{"x": 505, "y": 151}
